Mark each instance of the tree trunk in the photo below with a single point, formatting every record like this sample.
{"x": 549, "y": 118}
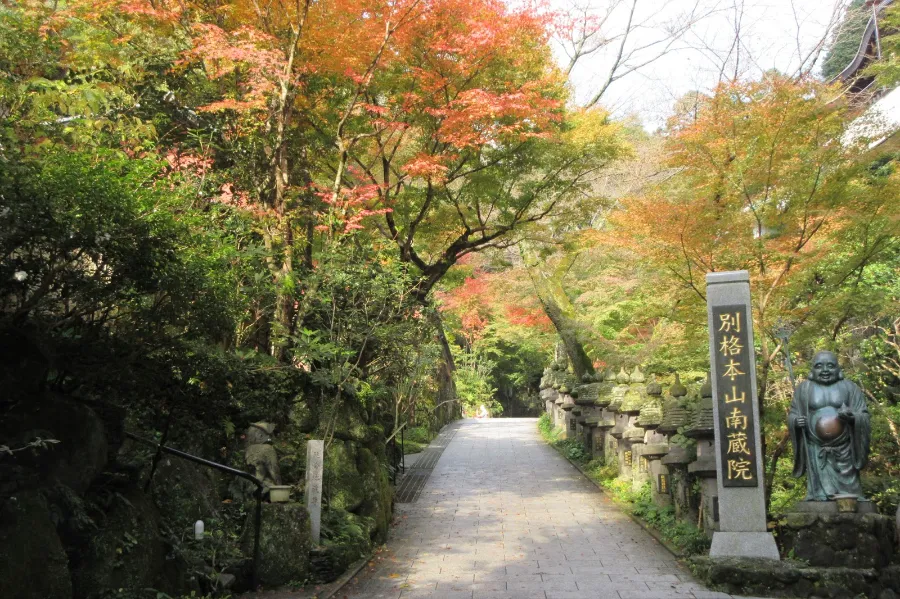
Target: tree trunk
{"x": 446, "y": 384}
{"x": 560, "y": 311}
{"x": 567, "y": 328}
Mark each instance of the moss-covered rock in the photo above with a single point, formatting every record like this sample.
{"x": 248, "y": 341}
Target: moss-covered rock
{"x": 344, "y": 486}
{"x": 302, "y": 418}
{"x": 127, "y": 552}
{"x": 185, "y": 492}
{"x": 379, "y": 495}
{"x": 788, "y": 578}
{"x": 284, "y": 543}
{"x": 33, "y": 563}
{"x": 850, "y": 540}
{"x": 351, "y": 426}
{"x": 82, "y": 449}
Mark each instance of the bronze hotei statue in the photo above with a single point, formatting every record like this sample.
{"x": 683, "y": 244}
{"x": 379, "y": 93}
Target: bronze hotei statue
{"x": 829, "y": 428}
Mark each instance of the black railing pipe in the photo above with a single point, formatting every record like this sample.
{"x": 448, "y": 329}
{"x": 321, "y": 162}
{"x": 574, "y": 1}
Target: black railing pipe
{"x": 254, "y": 573}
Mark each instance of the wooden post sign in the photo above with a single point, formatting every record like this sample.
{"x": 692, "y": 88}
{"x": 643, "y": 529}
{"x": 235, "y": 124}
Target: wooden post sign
{"x": 742, "y": 510}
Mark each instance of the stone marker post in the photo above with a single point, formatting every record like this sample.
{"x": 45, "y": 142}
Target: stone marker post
{"x": 739, "y": 460}
{"x": 315, "y": 454}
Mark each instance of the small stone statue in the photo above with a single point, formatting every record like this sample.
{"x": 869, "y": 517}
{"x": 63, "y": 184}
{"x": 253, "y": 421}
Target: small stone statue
{"x": 260, "y": 455}
{"x": 829, "y": 428}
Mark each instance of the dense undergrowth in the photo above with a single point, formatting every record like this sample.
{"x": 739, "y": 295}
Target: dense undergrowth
{"x": 416, "y": 439}
{"x": 686, "y": 537}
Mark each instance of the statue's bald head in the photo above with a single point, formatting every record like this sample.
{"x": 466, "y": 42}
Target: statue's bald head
{"x": 825, "y": 369}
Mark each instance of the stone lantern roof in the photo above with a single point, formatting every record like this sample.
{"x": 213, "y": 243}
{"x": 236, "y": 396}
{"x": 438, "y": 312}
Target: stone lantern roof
{"x": 550, "y": 379}
{"x": 676, "y": 414}
{"x": 618, "y": 394}
{"x": 637, "y": 377}
{"x": 545, "y": 378}
{"x": 677, "y": 389}
{"x": 604, "y": 393}
{"x": 651, "y": 414}
{"x": 633, "y": 402}
{"x": 586, "y": 395}
{"x": 567, "y": 382}
{"x": 702, "y": 423}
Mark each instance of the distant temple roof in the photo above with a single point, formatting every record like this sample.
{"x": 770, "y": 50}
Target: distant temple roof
{"x": 881, "y": 120}
{"x": 863, "y": 53}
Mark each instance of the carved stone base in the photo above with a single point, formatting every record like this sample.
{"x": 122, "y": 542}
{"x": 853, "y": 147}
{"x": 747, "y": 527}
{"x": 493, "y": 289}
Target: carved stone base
{"x": 831, "y": 507}
{"x": 744, "y": 544}
{"x": 771, "y": 578}
{"x": 848, "y": 540}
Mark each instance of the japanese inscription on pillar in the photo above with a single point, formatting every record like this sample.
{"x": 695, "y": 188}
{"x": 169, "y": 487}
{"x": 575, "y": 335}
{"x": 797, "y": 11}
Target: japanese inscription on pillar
{"x": 315, "y": 456}
{"x": 627, "y": 457}
{"x": 663, "y": 483}
{"x": 737, "y": 420}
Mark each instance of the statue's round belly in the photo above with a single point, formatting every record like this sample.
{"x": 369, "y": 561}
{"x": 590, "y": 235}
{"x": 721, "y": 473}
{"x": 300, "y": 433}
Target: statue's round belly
{"x": 827, "y": 424}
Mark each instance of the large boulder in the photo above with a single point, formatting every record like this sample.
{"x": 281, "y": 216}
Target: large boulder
{"x": 127, "y": 552}
{"x": 82, "y": 449}
{"x": 302, "y": 418}
{"x": 378, "y": 493}
{"x": 284, "y": 543}
{"x": 185, "y": 492}
{"x": 344, "y": 485}
{"x": 33, "y": 563}
{"x": 351, "y": 426}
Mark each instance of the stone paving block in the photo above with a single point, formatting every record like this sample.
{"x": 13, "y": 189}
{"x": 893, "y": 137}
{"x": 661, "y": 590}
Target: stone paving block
{"x": 681, "y": 587}
{"x": 503, "y": 516}
{"x": 654, "y": 595}
{"x": 592, "y": 594}
{"x": 508, "y": 595}
{"x": 663, "y": 578}
{"x": 436, "y": 595}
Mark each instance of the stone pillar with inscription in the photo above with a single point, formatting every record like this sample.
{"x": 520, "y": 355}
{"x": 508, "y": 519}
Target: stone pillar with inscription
{"x": 315, "y": 457}
{"x": 739, "y": 461}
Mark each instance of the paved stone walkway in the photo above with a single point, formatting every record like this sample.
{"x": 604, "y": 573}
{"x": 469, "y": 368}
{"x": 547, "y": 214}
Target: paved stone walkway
{"x": 504, "y": 516}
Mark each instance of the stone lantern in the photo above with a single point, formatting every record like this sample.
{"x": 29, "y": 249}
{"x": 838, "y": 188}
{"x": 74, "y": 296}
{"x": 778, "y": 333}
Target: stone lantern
{"x": 655, "y": 443}
{"x": 585, "y": 396}
{"x": 606, "y": 420}
{"x": 702, "y": 429}
{"x": 620, "y": 419}
{"x": 548, "y": 393}
{"x": 566, "y": 418}
{"x": 676, "y": 415}
{"x": 633, "y": 435}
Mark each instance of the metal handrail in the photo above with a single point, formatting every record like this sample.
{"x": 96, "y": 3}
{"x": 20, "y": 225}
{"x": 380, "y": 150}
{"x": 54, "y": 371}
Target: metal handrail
{"x": 254, "y": 572}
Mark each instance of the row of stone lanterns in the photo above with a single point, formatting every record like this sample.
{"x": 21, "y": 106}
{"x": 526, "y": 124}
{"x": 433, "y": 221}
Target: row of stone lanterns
{"x": 625, "y": 420}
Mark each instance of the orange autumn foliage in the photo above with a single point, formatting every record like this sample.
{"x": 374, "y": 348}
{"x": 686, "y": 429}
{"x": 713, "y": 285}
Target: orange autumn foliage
{"x": 761, "y": 180}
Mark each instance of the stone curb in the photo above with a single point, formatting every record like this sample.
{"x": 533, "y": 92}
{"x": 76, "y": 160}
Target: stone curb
{"x": 650, "y": 530}
{"x": 346, "y": 577}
